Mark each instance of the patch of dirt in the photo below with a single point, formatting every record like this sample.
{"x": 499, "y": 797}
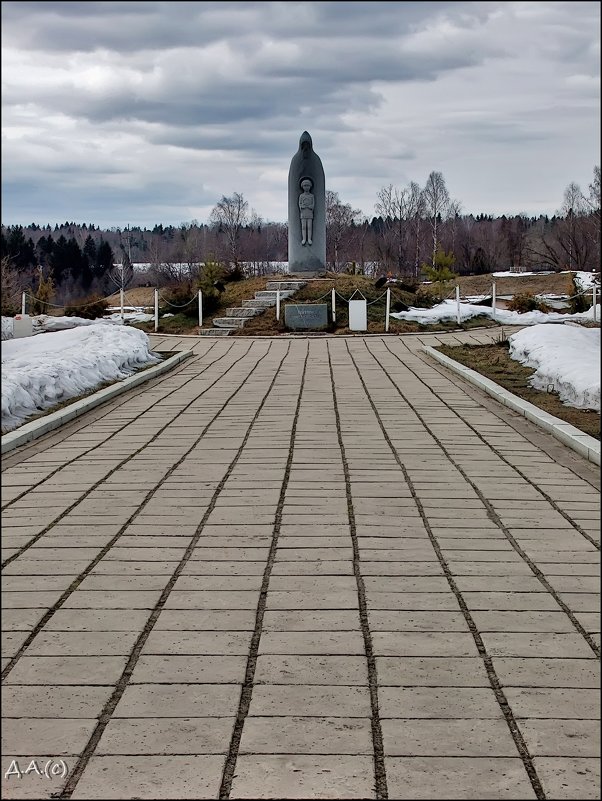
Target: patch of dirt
{"x": 139, "y": 296}
{"x": 553, "y": 284}
{"x": 494, "y": 362}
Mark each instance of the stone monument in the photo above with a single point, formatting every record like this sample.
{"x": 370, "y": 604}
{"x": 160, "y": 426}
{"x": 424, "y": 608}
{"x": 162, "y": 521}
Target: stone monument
{"x": 306, "y": 211}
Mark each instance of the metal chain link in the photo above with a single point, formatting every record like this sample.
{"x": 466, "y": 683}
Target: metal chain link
{"x": 175, "y": 305}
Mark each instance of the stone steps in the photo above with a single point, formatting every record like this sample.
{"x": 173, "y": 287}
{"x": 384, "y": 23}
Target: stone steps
{"x": 264, "y": 303}
{"x": 271, "y": 294}
{"x": 229, "y": 322}
{"x": 236, "y": 316}
{"x": 271, "y": 286}
{"x": 245, "y": 311}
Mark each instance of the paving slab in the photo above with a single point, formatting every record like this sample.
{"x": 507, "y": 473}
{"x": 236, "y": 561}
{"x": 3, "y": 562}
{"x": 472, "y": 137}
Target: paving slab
{"x": 307, "y": 735}
{"x": 303, "y": 777}
{"x": 194, "y": 777}
{"x": 447, "y": 737}
{"x": 569, "y": 777}
{"x": 462, "y": 777}
{"x": 167, "y": 736}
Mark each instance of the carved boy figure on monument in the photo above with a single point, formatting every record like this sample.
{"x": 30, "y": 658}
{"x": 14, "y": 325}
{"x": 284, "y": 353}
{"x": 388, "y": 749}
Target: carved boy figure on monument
{"x": 306, "y": 208}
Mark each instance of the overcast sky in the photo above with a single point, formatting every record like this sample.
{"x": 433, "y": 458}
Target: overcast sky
{"x": 118, "y": 113}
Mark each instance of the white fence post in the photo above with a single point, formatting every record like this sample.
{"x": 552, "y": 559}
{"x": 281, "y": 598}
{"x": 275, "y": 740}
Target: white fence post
{"x": 156, "y": 309}
{"x": 200, "y": 308}
{"x": 458, "y": 317}
{"x": 493, "y": 300}
{"x": 278, "y": 304}
{"x": 333, "y": 302}
{"x": 594, "y": 301}
{"x": 23, "y": 302}
{"x": 387, "y": 310}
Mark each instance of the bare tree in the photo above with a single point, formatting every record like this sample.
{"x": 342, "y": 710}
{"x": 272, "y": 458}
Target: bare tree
{"x": 397, "y": 207}
{"x": 454, "y": 209}
{"x": 568, "y": 245}
{"x": 436, "y": 198}
{"x": 188, "y": 247}
{"x": 573, "y": 207}
{"x": 340, "y": 218}
{"x": 122, "y": 273}
{"x": 357, "y": 240}
{"x": 593, "y": 202}
{"x": 230, "y": 215}
{"x": 417, "y": 209}
{"x": 385, "y": 209}
{"x": 10, "y": 287}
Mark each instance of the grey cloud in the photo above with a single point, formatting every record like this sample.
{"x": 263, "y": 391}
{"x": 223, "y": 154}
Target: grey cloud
{"x": 130, "y": 26}
{"x": 156, "y": 201}
{"x": 192, "y": 99}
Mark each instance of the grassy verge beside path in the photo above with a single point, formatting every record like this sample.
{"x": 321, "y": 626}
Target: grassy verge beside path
{"x": 494, "y": 362}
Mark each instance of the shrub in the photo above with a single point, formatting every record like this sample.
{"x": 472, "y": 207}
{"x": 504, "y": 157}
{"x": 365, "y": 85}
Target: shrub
{"x": 423, "y": 299}
{"x": 440, "y": 272}
{"x": 43, "y": 296}
{"x": 181, "y": 299}
{"x": 408, "y": 284}
{"x": 234, "y": 273}
{"x": 10, "y": 294}
{"x": 90, "y": 308}
{"x": 211, "y": 272}
{"x": 579, "y": 302}
{"x": 526, "y": 302}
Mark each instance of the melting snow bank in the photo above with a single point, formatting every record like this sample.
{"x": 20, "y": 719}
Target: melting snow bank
{"x": 44, "y": 323}
{"x": 447, "y": 310}
{"x": 7, "y": 328}
{"x": 40, "y": 372}
{"x": 567, "y": 358}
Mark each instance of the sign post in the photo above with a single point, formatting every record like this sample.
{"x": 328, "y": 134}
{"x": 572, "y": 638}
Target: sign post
{"x": 388, "y": 310}
{"x": 458, "y": 316}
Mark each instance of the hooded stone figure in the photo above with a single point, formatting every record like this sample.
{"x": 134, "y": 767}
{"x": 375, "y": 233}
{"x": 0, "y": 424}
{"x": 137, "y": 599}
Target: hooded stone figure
{"x": 306, "y": 210}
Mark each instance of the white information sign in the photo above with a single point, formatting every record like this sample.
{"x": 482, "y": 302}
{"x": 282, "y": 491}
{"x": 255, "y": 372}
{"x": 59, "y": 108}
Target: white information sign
{"x": 22, "y": 326}
{"x": 358, "y": 315}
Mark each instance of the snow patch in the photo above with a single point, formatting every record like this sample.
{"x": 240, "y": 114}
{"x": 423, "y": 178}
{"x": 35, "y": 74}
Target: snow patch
{"x": 7, "y": 328}
{"x": 40, "y": 372}
{"x": 566, "y": 358}
{"x": 447, "y": 310}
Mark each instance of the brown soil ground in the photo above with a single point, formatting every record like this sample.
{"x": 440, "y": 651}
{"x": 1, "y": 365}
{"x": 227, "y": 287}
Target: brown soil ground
{"x": 139, "y": 296}
{"x": 495, "y": 363}
{"x": 266, "y": 325}
{"x": 555, "y": 283}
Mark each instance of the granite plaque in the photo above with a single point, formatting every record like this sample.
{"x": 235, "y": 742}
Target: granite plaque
{"x": 306, "y": 316}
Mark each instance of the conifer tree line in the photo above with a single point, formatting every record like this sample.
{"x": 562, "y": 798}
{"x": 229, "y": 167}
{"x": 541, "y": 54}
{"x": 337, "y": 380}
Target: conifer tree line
{"x": 412, "y": 228}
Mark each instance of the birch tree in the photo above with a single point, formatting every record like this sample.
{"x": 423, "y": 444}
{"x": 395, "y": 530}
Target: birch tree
{"x": 436, "y": 198}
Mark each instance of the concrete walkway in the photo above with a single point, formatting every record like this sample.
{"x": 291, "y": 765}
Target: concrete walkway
{"x": 301, "y": 568}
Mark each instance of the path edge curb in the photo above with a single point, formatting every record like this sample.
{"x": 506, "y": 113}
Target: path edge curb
{"x": 580, "y": 442}
{"x": 37, "y": 428}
